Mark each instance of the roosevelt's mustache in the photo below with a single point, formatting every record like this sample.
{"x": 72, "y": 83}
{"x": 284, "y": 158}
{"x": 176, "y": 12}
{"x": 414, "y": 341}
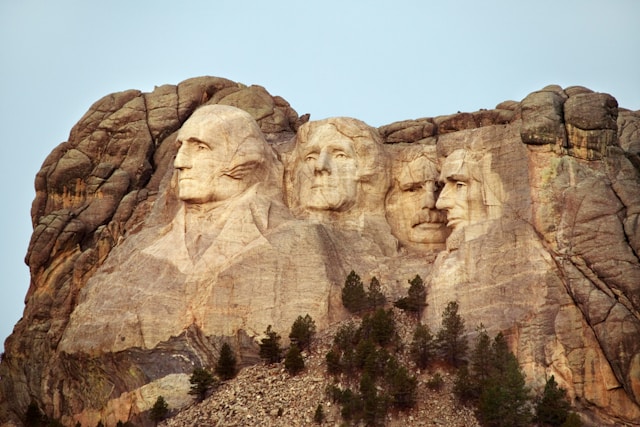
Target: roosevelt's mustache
{"x": 429, "y": 216}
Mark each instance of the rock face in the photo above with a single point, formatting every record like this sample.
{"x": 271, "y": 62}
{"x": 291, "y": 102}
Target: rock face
{"x": 160, "y": 233}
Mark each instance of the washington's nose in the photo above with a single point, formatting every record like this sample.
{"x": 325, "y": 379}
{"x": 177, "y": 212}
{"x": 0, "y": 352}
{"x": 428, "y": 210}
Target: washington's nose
{"x": 182, "y": 160}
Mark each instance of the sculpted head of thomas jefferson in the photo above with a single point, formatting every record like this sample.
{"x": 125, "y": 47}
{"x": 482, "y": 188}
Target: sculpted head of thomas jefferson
{"x": 221, "y": 153}
{"x": 339, "y": 165}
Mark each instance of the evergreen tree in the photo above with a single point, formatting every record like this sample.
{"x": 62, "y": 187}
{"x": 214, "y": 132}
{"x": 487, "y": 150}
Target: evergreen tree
{"x": 402, "y": 385}
{"x": 375, "y": 297}
{"x": 373, "y": 405}
{"x": 504, "y": 399}
{"x": 318, "y": 416}
{"x": 422, "y": 346}
{"x": 354, "y": 297}
{"x": 34, "y": 417}
{"x": 481, "y": 356}
{"x": 201, "y": 382}
{"x": 552, "y": 408}
{"x": 303, "y": 331}
{"x": 293, "y": 362}
{"x": 159, "y": 410}
{"x": 346, "y": 336}
{"x": 450, "y": 337}
{"x": 226, "y": 366}
{"x": 415, "y": 301}
{"x": 379, "y": 327}
{"x": 465, "y": 389}
{"x": 270, "y": 350}
{"x": 333, "y": 361}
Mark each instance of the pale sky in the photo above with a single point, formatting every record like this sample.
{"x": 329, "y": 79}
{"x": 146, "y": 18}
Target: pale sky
{"x": 378, "y": 61}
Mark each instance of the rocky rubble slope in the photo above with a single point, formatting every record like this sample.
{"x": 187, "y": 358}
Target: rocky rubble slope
{"x": 266, "y": 395}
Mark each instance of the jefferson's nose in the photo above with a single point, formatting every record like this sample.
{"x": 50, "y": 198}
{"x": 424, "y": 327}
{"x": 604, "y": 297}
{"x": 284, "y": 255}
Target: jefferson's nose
{"x": 323, "y": 163}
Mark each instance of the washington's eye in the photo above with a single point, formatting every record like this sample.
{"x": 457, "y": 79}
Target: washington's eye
{"x": 202, "y": 147}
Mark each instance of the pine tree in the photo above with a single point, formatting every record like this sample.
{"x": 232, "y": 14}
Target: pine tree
{"x": 226, "y": 366}
{"x": 373, "y": 405}
{"x": 552, "y": 408}
{"x": 422, "y": 346}
{"x": 346, "y": 336}
{"x": 302, "y": 331}
{"x": 201, "y": 382}
{"x": 354, "y": 297}
{"x": 375, "y": 297}
{"x": 402, "y": 386}
{"x": 159, "y": 410}
{"x": 450, "y": 337}
{"x": 270, "y": 346}
{"x": 293, "y": 361}
{"x": 318, "y": 416}
{"x": 415, "y": 301}
{"x": 34, "y": 417}
{"x": 380, "y": 326}
{"x": 481, "y": 356}
{"x": 504, "y": 399}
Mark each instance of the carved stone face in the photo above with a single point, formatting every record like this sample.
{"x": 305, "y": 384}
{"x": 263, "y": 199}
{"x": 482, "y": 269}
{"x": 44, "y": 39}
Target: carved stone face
{"x": 328, "y": 172}
{"x": 411, "y": 206}
{"x": 461, "y": 196}
{"x": 220, "y": 151}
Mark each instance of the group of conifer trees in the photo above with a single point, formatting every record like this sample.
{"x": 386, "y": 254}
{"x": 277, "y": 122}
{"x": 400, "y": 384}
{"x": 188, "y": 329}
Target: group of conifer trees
{"x": 365, "y": 361}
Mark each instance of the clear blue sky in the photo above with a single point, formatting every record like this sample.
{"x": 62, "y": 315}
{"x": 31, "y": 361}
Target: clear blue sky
{"x": 373, "y": 60}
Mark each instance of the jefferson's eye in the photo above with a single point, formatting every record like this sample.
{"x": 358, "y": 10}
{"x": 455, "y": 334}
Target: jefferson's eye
{"x": 311, "y": 157}
{"x": 414, "y": 188}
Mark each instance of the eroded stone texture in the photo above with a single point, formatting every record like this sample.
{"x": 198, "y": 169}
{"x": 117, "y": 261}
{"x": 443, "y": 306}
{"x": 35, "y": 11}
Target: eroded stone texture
{"x": 139, "y": 274}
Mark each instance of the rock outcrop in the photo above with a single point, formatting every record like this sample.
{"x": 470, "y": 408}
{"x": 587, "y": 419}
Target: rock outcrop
{"x": 527, "y": 215}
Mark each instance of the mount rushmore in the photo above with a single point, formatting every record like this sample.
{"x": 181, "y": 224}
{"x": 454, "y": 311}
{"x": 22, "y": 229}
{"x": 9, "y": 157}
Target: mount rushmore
{"x": 200, "y": 213}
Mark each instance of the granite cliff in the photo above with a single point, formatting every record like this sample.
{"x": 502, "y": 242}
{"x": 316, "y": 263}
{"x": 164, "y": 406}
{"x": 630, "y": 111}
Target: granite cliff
{"x": 526, "y": 214}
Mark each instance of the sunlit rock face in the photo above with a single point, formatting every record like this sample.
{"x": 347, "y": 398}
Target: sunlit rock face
{"x": 197, "y": 214}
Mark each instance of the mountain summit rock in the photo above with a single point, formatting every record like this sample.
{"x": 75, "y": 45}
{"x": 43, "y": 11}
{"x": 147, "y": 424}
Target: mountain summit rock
{"x": 199, "y": 214}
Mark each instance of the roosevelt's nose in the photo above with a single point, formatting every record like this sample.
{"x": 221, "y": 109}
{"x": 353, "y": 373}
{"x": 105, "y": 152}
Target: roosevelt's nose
{"x": 429, "y": 198}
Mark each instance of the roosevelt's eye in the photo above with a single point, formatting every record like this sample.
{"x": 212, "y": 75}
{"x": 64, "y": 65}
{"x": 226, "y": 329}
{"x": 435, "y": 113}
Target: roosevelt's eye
{"x": 339, "y": 155}
{"x": 460, "y": 185}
